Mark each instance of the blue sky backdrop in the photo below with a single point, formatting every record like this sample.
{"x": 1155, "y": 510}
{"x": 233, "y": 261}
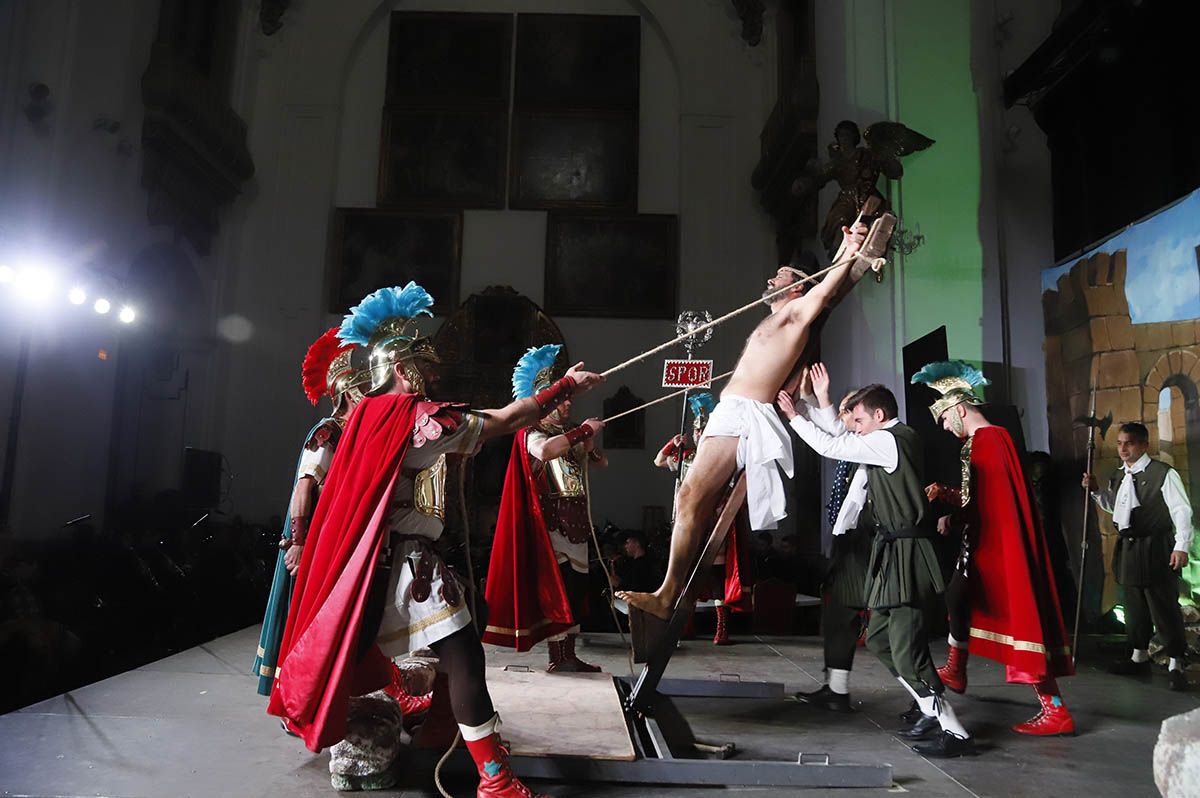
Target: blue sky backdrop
{"x": 1162, "y": 279}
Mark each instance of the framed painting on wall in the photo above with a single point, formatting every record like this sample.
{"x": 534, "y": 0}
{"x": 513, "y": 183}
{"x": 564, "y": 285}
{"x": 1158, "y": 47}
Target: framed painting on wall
{"x": 372, "y": 248}
{"x": 624, "y": 266}
{"x": 574, "y": 160}
{"x": 442, "y": 157}
{"x": 577, "y": 61}
{"x": 449, "y": 59}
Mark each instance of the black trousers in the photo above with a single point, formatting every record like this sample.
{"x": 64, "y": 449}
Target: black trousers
{"x": 576, "y": 585}
{"x": 841, "y": 627}
{"x": 1151, "y": 607}
{"x": 958, "y": 606}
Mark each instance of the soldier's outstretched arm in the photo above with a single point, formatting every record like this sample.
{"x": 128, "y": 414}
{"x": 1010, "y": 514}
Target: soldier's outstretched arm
{"x": 526, "y": 412}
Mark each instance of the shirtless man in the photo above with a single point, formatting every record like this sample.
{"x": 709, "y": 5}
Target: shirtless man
{"x": 744, "y": 430}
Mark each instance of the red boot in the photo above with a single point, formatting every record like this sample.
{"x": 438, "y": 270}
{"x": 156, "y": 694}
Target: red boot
{"x": 1053, "y": 721}
{"x": 412, "y": 707}
{"x": 496, "y": 779}
{"x": 721, "y": 638}
{"x": 571, "y": 662}
{"x": 954, "y": 673}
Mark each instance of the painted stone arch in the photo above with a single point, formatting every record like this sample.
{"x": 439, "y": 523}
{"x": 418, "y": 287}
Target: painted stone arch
{"x": 1179, "y": 369}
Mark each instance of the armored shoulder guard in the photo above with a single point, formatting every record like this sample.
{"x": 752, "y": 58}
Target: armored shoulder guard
{"x": 325, "y": 434}
{"x": 435, "y": 419}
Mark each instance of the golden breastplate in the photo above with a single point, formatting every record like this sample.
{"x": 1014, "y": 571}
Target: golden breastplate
{"x": 564, "y": 476}
{"x": 429, "y": 490}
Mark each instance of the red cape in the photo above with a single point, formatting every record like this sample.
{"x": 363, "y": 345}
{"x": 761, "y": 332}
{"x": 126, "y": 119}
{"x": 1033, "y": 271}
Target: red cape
{"x": 733, "y": 571}
{"x": 319, "y": 663}
{"x": 1015, "y": 615}
{"x": 526, "y": 598}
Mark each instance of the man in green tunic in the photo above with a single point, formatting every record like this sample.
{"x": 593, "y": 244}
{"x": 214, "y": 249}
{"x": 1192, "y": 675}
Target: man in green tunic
{"x": 903, "y": 577}
{"x": 1154, "y": 519}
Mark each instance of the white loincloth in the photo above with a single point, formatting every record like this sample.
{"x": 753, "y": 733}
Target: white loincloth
{"x": 764, "y": 448}
{"x": 408, "y": 625}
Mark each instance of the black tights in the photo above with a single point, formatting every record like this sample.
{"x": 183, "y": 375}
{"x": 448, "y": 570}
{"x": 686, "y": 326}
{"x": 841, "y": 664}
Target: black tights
{"x": 461, "y": 656}
{"x": 958, "y": 606}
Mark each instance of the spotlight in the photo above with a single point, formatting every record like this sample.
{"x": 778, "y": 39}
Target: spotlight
{"x": 102, "y": 306}
{"x": 77, "y": 296}
{"x": 35, "y": 284}
{"x": 7, "y": 275}
{"x": 127, "y": 315}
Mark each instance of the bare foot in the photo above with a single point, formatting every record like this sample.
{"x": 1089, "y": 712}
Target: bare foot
{"x": 655, "y": 603}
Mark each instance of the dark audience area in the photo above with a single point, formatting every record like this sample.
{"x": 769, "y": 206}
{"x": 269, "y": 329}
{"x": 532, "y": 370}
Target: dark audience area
{"x": 85, "y": 605}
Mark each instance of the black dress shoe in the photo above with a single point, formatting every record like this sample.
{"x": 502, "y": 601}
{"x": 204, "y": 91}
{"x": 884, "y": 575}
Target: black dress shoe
{"x": 1128, "y": 667}
{"x": 947, "y": 746}
{"x": 912, "y": 714}
{"x": 1177, "y": 680}
{"x": 925, "y": 727}
{"x": 825, "y": 699}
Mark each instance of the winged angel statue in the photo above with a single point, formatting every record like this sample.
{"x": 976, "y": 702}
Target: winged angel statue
{"x": 856, "y": 169}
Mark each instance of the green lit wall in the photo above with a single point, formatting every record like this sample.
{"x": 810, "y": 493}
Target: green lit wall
{"x": 910, "y": 61}
{"x": 943, "y": 280}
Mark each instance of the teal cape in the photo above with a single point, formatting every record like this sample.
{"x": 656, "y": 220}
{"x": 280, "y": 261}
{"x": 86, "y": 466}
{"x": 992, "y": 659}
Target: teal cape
{"x": 281, "y": 592}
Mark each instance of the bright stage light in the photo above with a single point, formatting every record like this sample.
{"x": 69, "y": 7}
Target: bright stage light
{"x": 102, "y": 306}
{"x": 35, "y": 284}
{"x": 77, "y": 296}
{"x": 7, "y": 275}
{"x": 127, "y": 315}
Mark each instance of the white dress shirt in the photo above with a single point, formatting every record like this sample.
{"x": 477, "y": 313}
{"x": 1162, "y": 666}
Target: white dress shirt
{"x": 1173, "y": 494}
{"x": 876, "y": 448}
{"x": 827, "y": 420}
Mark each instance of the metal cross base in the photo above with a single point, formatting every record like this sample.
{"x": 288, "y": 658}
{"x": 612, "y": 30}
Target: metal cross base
{"x": 668, "y": 753}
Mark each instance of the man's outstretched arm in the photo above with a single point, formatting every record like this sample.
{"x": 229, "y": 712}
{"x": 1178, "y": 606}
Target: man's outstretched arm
{"x": 819, "y": 296}
{"x": 877, "y": 448}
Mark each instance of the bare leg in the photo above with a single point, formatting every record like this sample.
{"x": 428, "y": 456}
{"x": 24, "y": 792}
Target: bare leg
{"x": 710, "y": 472}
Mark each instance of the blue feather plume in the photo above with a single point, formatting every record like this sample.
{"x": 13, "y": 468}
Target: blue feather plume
{"x": 387, "y": 303}
{"x": 530, "y": 365}
{"x": 944, "y": 369}
{"x": 701, "y": 403}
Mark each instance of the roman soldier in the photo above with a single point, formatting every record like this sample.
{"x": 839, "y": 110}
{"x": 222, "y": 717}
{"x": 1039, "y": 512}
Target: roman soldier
{"x": 373, "y": 584}
{"x": 537, "y": 579}
{"x": 1002, "y": 600}
{"x": 327, "y": 370}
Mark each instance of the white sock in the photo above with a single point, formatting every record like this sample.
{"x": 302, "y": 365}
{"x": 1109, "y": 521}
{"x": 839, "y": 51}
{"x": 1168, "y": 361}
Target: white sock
{"x": 483, "y": 730}
{"x": 928, "y": 704}
{"x": 557, "y": 638}
{"x": 956, "y": 643}
{"x": 1140, "y": 655}
{"x": 948, "y": 720}
{"x": 839, "y": 681}
{"x": 1174, "y": 664}
{"x": 910, "y": 690}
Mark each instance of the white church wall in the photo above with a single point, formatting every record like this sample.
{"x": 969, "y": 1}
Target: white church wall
{"x": 313, "y": 97}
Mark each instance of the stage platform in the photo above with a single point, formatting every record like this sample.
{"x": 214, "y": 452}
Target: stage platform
{"x": 192, "y": 725}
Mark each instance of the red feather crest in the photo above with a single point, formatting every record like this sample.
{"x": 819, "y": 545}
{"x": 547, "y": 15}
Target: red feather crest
{"x": 315, "y": 369}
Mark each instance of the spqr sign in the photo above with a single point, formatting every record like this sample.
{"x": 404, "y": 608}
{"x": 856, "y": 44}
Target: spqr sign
{"x": 687, "y": 373}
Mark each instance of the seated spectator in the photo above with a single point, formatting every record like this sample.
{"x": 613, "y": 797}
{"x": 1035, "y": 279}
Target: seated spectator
{"x": 636, "y": 569}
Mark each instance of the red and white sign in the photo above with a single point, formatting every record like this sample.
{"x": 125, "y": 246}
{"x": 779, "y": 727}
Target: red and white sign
{"x": 687, "y": 373}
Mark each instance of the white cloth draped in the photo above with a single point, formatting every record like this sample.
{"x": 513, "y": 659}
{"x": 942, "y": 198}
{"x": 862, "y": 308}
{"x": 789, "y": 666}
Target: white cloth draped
{"x": 764, "y": 449}
{"x": 1126, "y": 501}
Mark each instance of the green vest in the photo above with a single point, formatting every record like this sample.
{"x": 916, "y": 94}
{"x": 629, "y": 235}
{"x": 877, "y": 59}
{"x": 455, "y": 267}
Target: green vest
{"x": 897, "y": 500}
{"x": 1142, "y": 555}
{"x": 1152, "y": 517}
